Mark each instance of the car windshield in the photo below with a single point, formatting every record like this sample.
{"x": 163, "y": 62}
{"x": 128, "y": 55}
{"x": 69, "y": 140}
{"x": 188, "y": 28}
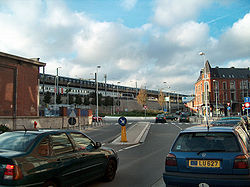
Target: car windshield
{"x": 206, "y": 141}
{"x": 16, "y": 141}
{"x": 160, "y": 115}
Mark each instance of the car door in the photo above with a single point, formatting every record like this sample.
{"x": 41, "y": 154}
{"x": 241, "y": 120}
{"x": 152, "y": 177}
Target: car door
{"x": 93, "y": 159}
{"x": 67, "y": 158}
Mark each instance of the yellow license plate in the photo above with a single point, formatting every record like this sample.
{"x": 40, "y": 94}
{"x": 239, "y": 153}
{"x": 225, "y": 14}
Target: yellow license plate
{"x": 204, "y": 163}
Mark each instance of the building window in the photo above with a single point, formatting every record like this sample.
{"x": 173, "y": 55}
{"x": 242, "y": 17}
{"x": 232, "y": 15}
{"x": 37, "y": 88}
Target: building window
{"x": 232, "y": 85}
{"x": 233, "y": 98}
{"x": 225, "y": 96}
{"x": 224, "y": 85}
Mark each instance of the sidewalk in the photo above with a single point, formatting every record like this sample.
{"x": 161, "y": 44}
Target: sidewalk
{"x": 135, "y": 134}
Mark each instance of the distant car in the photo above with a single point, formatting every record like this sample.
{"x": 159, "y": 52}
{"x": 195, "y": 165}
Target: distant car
{"x": 160, "y": 118}
{"x": 96, "y": 119}
{"x": 214, "y": 156}
{"x": 170, "y": 117}
{"x": 184, "y": 118}
{"x": 53, "y": 158}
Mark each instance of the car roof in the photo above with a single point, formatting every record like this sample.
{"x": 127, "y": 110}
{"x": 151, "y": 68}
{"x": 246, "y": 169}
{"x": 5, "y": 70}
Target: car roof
{"x": 231, "y": 118}
{"x": 204, "y": 128}
{"x": 226, "y": 122}
{"x": 41, "y": 131}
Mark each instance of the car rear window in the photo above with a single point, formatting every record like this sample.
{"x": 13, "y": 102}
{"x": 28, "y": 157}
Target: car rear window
{"x": 16, "y": 141}
{"x": 200, "y": 141}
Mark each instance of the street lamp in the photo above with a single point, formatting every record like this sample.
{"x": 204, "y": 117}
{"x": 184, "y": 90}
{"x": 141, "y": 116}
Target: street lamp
{"x": 68, "y": 92}
{"x": 216, "y": 89}
{"x": 118, "y": 98}
{"x": 97, "y": 91}
{"x": 205, "y": 86}
{"x": 56, "y": 84}
{"x": 169, "y": 102}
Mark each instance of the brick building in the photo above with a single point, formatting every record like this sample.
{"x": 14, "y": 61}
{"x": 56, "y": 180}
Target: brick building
{"x": 19, "y": 86}
{"x": 226, "y": 87}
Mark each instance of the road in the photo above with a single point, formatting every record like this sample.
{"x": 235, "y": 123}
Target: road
{"x": 143, "y": 164}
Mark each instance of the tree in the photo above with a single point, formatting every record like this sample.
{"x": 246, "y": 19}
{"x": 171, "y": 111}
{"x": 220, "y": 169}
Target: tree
{"x": 161, "y": 99}
{"x": 142, "y": 97}
{"x": 78, "y": 100}
{"x": 108, "y": 101}
{"x": 71, "y": 99}
{"x": 47, "y": 98}
{"x": 86, "y": 100}
{"x": 58, "y": 99}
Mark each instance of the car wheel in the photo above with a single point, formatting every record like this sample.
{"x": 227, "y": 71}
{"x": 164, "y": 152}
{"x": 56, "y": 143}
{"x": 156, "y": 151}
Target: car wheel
{"x": 50, "y": 184}
{"x": 110, "y": 171}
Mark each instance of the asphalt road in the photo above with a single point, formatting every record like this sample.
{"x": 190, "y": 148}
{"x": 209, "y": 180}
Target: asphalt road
{"x": 143, "y": 164}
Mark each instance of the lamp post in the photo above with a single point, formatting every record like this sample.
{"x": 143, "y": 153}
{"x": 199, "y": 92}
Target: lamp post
{"x": 68, "y": 92}
{"x": 118, "y": 98}
{"x": 169, "y": 102}
{"x": 216, "y": 102}
{"x": 56, "y": 84}
{"x": 205, "y": 87}
{"x": 97, "y": 91}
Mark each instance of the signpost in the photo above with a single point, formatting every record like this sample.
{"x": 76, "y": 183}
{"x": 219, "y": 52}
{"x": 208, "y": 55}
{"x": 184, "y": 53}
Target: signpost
{"x": 123, "y": 121}
{"x": 247, "y": 103}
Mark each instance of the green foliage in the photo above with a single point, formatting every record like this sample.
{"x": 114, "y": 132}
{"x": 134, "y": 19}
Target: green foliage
{"x": 108, "y": 101}
{"x": 86, "y": 100}
{"x": 58, "y": 99}
{"x": 71, "y": 99}
{"x": 47, "y": 98}
{"x": 4, "y": 128}
{"x": 78, "y": 100}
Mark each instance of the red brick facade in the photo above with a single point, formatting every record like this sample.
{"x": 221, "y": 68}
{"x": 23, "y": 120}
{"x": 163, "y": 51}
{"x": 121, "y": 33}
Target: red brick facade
{"x": 228, "y": 86}
{"x": 19, "y": 83}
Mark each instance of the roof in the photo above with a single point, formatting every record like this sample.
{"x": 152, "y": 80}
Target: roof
{"x": 204, "y": 128}
{"x": 225, "y": 73}
{"x": 34, "y": 61}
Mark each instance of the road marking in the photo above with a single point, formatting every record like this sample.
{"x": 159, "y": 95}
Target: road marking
{"x": 126, "y": 148}
{"x": 132, "y": 146}
{"x": 177, "y": 126}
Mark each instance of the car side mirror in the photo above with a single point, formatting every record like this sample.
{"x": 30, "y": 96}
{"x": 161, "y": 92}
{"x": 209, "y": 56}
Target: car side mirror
{"x": 98, "y": 144}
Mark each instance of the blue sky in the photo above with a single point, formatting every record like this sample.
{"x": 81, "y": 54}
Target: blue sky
{"x": 143, "y": 41}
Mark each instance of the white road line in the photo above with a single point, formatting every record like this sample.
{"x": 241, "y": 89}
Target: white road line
{"x": 132, "y": 146}
{"x": 177, "y": 126}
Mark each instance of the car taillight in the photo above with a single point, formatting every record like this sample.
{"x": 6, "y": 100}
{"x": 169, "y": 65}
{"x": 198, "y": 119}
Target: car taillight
{"x": 12, "y": 172}
{"x": 156, "y": 118}
{"x": 171, "y": 160}
{"x": 164, "y": 117}
{"x": 241, "y": 162}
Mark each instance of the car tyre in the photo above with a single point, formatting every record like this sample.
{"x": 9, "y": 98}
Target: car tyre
{"x": 50, "y": 184}
{"x": 110, "y": 171}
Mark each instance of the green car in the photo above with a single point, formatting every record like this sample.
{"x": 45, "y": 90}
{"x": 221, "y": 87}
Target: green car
{"x": 53, "y": 158}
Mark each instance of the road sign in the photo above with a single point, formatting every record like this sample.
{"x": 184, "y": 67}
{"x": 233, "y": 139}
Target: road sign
{"x": 246, "y": 99}
{"x": 72, "y": 121}
{"x": 145, "y": 107}
{"x": 247, "y": 104}
{"x": 228, "y": 104}
{"x": 122, "y": 121}
{"x": 229, "y": 108}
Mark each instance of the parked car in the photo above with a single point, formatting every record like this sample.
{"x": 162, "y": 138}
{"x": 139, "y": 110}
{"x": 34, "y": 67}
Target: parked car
{"x": 231, "y": 122}
{"x": 184, "y": 118}
{"x": 96, "y": 119}
{"x": 160, "y": 118}
{"x": 247, "y": 121}
{"x": 53, "y": 158}
{"x": 214, "y": 156}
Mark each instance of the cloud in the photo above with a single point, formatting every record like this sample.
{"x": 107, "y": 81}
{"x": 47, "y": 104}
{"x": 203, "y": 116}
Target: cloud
{"x": 169, "y": 12}
{"x": 128, "y": 4}
{"x": 165, "y": 50}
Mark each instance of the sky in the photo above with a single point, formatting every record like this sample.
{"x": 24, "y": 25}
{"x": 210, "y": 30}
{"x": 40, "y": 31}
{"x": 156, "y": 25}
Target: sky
{"x": 151, "y": 43}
